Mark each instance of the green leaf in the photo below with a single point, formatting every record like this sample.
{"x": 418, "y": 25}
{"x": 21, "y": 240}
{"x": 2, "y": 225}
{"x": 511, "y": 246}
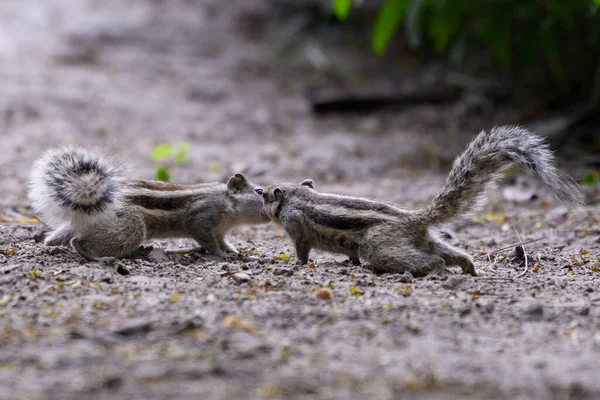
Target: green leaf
{"x": 161, "y": 151}
{"x": 590, "y": 178}
{"x": 597, "y": 2}
{"x": 341, "y": 8}
{"x": 181, "y": 155}
{"x": 163, "y": 174}
{"x": 495, "y": 31}
{"x": 445, "y": 21}
{"x": 388, "y": 21}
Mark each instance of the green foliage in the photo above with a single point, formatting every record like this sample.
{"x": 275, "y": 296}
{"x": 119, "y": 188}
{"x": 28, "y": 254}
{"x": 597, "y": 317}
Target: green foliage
{"x": 167, "y": 154}
{"x": 181, "y": 154}
{"x": 538, "y": 41}
{"x": 388, "y": 21}
{"x": 341, "y": 8}
{"x": 161, "y": 152}
{"x": 590, "y": 178}
{"x": 163, "y": 174}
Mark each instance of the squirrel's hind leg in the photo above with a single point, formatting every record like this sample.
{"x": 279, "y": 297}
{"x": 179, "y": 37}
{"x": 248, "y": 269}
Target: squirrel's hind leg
{"x": 453, "y": 256}
{"x": 80, "y": 247}
{"x": 114, "y": 238}
{"x": 403, "y": 258}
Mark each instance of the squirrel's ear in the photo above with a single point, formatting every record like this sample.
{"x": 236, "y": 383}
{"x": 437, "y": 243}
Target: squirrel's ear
{"x": 278, "y": 194}
{"x": 236, "y": 182}
{"x": 308, "y": 182}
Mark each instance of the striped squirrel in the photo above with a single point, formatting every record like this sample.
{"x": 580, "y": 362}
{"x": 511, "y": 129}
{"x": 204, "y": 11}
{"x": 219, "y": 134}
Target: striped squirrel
{"x": 393, "y": 239}
{"x": 86, "y": 201}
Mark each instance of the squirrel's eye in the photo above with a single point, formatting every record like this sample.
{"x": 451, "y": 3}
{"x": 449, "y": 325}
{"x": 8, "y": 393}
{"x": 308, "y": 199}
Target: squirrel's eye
{"x": 259, "y": 191}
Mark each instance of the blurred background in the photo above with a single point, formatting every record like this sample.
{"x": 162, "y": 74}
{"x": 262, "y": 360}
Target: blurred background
{"x": 368, "y": 98}
{"x": 374, "y": 93}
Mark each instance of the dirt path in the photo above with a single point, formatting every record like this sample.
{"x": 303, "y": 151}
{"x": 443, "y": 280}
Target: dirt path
{"x": 126, "y": 75}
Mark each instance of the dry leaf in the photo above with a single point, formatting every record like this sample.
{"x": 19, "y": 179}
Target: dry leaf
{"x": 22, "y": 220}
{"x": 174, "y": 298}
{"x": 358, "y": 292}
{"x": 235, "y": 322}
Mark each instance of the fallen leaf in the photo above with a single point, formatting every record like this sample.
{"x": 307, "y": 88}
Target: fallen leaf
{"x": 235, "y": 322}
{"x": 357, "y": 292}
{"x": 22, "y": 220}
{"x": 174, "y": 298}
{"x": 98, "y": 305}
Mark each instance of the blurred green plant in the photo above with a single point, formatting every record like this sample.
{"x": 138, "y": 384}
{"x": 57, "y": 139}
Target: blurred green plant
{"x": 555, "y": 40}
{"x": 590, "y": 178}
{"x": 166, "y": 153}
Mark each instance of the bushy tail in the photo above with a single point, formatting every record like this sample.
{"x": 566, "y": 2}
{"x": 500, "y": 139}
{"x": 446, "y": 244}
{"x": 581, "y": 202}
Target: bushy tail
{"x": 481, "y": 165}
{"x": 73, "y": 185}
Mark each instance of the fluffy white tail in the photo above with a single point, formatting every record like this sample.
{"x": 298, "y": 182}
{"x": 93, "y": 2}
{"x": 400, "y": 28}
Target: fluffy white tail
{"x": 74, "y": 185}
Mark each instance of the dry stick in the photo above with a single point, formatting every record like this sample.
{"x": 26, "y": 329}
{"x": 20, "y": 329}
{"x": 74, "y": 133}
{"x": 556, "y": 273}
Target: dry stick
{"x": 524, "y": 253}
{"x": 511, "y": 246}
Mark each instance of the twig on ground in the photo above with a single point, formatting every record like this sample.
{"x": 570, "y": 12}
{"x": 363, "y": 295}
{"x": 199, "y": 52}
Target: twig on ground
{"x": 489, "y": 255}
{"x": 524, "y": 254}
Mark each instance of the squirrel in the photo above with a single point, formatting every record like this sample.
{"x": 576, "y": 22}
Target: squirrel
{"x": 87, "y": 202}
{"x": 393, "y": 239}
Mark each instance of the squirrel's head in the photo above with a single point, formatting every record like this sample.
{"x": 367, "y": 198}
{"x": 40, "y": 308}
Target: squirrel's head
{"x": 247, "y": 201}
{"x": 274, "y": 196}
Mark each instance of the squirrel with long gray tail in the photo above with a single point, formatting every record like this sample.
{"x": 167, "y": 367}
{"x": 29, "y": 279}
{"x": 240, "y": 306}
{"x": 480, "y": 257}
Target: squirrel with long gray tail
{"x": 392, "y": 239}
{"x": 88, "y": 203}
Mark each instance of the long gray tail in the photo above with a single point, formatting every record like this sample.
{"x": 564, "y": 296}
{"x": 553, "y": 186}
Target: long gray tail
{"x": 74, "y": 185}
{"x": 481, "y": 165}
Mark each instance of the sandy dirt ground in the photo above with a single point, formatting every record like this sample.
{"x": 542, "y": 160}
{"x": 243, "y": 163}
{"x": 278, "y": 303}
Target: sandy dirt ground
{"x": 125, "y": 75}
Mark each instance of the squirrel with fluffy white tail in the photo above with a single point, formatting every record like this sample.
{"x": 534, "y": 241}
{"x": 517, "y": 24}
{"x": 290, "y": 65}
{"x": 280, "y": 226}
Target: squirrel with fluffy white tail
{"x": 393, "y": 239}
{"x": 88, "y": 203}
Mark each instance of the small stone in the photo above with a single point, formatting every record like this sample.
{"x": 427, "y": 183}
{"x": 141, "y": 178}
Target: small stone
{"x": 323, "y": 293}
{"x": 283, "y": 271}
{"x": 241, "y": 277}
{"x": 518, "y": 252}
{"x": 406, "y": 277}
{"x": 122, "y": 269}
{"x": 534, "y": 312}
{"x": 454, "y": 281}
{"x": 584, "y": 311}
{"x": 157, "y": 255}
